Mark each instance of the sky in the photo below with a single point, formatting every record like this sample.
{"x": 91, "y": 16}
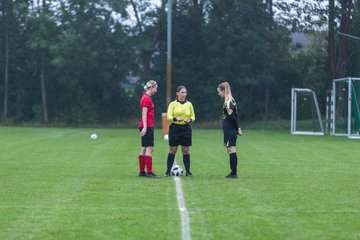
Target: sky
{"x": 156, "y": 2}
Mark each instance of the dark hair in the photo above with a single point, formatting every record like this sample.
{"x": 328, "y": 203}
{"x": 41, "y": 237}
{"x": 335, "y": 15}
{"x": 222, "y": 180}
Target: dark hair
{"x": 178, "y": 89}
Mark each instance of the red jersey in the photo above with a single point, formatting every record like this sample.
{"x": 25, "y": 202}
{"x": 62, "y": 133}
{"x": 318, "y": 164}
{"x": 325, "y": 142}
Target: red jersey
{"x": 147, "y": 102}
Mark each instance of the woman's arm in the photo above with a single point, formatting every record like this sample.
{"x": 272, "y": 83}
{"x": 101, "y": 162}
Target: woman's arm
{"x": 192, "y": 114}
{"x": 144, "y": 120}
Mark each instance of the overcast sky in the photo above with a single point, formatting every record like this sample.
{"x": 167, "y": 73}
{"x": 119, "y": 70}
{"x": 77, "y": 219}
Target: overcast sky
{"x": 156, "y": 2}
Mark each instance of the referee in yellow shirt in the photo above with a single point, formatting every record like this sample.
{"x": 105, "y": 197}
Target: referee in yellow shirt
{"x": 181, "y": 114}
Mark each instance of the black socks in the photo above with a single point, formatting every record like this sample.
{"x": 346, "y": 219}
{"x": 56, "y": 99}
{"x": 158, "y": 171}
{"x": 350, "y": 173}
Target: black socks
{"x": 186, "y": 161}
{"x": 170, "y": 162}
{"x": 233, "y": 163}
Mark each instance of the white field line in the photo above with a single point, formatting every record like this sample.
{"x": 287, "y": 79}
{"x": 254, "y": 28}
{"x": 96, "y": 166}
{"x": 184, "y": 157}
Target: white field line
{"x": 185, "y": 219}
{"x": 184, "y": 215}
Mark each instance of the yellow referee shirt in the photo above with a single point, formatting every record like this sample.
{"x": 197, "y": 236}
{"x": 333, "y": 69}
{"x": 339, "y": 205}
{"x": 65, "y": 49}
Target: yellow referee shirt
{"x": 184, "y": 111}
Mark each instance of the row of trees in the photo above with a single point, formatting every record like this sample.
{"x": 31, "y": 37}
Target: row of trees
{"x": 83, "y": 62}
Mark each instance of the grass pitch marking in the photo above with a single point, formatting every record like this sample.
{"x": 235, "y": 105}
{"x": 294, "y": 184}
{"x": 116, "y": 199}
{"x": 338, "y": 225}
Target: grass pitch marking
{"x": 185, "y": 219}
{"x": 184, "y": 215}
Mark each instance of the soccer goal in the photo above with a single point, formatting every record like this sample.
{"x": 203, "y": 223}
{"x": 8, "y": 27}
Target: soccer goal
{"x": 344, "y": 113}
{"x": 305, "y": 113}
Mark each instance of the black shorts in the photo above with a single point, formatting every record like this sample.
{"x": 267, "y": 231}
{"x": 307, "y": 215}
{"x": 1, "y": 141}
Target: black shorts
{"x": 148, "y": 139}
{"x": 180, "y": 135}
{"x": 230, "y": 136}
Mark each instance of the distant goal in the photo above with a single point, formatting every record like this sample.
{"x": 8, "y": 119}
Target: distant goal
{"x": 345, "y": 109}
{"x": 305, "y": 113}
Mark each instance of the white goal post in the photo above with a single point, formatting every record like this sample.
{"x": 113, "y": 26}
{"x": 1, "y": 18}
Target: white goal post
{"x": 306, "y": 99}
{"x": 344, "y": 112}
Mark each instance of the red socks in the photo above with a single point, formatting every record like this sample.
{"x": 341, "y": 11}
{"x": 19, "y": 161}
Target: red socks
{"x": 145, "y": 161}
{"x": 142, "y": 163}
{"x": 148, "y": 163}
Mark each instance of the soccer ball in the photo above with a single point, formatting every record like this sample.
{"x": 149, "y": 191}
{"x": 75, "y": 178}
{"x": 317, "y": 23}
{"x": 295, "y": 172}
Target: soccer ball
{"x": 177, "y": 170}
{"x": 166, "y": 137}
{"x": 93, "y": 136}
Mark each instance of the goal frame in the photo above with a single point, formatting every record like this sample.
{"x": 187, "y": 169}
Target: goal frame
{"x": 293, "y": 129}
{"x": 349, "y": 133}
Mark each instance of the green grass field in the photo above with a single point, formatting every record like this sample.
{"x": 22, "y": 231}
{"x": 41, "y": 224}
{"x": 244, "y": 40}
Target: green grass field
{"x": 58, "y": 184}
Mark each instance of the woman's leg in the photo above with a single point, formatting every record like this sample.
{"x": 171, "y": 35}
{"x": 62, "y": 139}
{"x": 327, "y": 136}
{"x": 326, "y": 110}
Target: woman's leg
{"x": 142, "y": 162}
{"x": 148, "y": 158}
{"x": 186, "y": 159}
{"x": 170, "y": 159}
{"x": 233, "y": 160}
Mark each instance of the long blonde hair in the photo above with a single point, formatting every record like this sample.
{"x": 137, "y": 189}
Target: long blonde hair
{"x": 225, "y": 86}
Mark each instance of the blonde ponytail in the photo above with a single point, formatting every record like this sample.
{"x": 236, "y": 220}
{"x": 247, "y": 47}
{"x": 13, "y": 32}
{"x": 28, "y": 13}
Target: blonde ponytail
{"x": 150, "y": 84}
{"x": 225, "y": 86}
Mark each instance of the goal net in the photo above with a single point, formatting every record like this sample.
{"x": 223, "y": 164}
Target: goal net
{"x": 305, "y": 113}
{"x": 345, "y": 117}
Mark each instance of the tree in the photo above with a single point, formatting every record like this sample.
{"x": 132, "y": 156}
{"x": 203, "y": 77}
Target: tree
{"x": 75, "y": 62}
{"x": 40, "y": 42}
{"x": 345, "y": 23}
{"x": 6, "y": 12}
{"x": 305, "y": 15}
{"x": 92, "y": 56}
{"x": 247, "y": 49}
{"x": 331, "y": 43}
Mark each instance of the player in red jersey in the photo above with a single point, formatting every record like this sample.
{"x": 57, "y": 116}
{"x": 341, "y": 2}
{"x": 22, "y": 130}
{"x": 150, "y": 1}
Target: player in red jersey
{"x": 146, "y": 127}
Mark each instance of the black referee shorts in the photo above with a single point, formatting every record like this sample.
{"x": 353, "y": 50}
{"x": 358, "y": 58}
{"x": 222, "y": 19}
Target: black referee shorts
{"x": 148, "y": 139}
{"x": 230, "y": 136}
{"x": 180, "y": 135}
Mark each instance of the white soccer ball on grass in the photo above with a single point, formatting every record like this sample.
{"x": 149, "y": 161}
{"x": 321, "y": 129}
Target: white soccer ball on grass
{"x": 93, "y": 136}
{"x": 177, "y": 170}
